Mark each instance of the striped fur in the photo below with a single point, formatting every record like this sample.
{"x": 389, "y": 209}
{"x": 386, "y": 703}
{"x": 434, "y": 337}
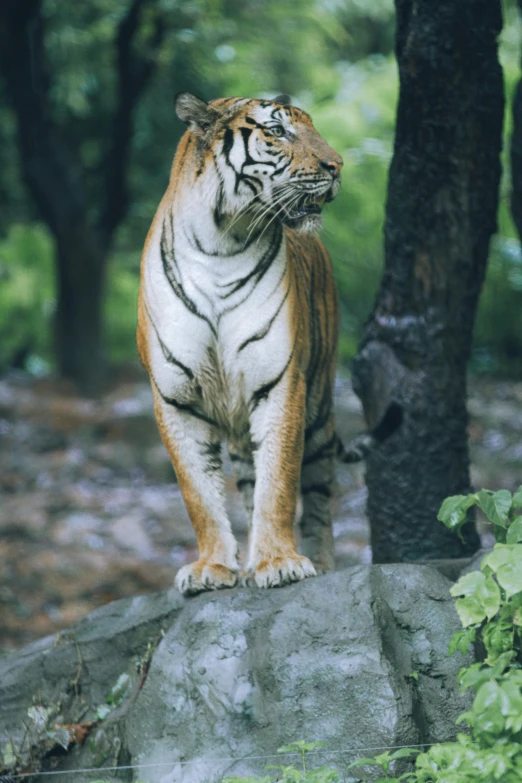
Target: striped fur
{"x": 238, "y": 326}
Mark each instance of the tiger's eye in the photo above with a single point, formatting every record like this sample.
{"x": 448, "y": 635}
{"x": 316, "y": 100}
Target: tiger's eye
{"x": 278, "y": 131}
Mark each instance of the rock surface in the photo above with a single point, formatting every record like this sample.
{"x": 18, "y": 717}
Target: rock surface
{"x": 357, "y": 658}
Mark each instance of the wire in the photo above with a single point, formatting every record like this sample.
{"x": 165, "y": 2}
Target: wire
{"x": 315, "y": 752}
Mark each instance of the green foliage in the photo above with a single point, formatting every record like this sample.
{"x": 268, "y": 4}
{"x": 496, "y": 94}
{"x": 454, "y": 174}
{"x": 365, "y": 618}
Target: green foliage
{"x": 26, "y": 294}
{"x": 334, "y": 58}
{"x": 360, "y": 126}
{"x": 385, "y": 760}
{"x": 290, "y": 773}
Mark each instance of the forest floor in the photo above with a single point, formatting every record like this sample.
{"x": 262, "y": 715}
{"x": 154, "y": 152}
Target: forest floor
{"x": 90, "y": 511}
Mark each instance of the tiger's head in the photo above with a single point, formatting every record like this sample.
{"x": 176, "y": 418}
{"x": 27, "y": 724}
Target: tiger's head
{"x": 270, "y": 162}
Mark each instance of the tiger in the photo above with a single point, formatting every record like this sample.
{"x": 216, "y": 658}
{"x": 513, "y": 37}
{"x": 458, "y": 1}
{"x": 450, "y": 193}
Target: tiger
{"x": 238, "y": 323}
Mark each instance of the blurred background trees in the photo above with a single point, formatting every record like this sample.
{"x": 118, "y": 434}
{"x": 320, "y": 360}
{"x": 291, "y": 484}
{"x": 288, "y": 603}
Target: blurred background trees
{"x": 102, "y": 76}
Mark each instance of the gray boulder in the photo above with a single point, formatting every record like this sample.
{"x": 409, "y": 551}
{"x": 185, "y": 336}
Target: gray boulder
{"x": 216, "y": 683}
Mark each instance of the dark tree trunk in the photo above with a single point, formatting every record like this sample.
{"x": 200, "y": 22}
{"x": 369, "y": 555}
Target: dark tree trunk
{"x": 516, "y": 156}
{"x": 80, "y": 277}
{"x": 57, "y": 181}
{"x": 440, "y": 215}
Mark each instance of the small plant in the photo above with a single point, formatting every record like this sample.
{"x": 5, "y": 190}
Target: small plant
{"x": 291, "y": 774}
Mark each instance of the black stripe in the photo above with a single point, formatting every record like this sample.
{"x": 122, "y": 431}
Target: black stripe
{"x": 323, "y": 415}
{"x": 264, "y": 331}
{"x": 245, "y": 482}
{"x": 212, "y": 453}
{"x": 263, "y": 391}
{"x": 311, "y": 517}
{"x": 218, "y": 215}
{"x": 262, "y": 265}
{"x": 184, "y": 408}
{"x": 176, "y": 286}
{"x": 282, "y": 168}
{"x": 324, "y": 451}
{"x": 166, "y": 353}
{"x": 249, "y": 160}
{"x": 228, "y": 143}
{"x": 320, "y": 489}
{"x": 246, "y": 133}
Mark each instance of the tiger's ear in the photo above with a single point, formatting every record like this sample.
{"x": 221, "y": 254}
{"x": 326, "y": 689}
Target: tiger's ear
{"x": 284, "y": 99}
{"x": 194, "y": 112}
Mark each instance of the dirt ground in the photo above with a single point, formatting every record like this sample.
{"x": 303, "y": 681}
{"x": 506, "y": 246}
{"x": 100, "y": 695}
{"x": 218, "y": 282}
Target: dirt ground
{"x": 90, "y": 511}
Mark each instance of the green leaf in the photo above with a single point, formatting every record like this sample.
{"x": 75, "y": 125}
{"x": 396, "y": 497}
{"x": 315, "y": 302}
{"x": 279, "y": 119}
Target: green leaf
{"x": 452, "y": 513}
{"x": 383, "y": 760}
{"x": 474, "y": 675}
{"x": 404, "y": 753}
{"x": 461, "y": 640}
{"x": 482, "y": 589}
{"x": 495, "y": 506}
{"x": 470, "y": 611}
{"x": 501, "y": 554}
{"x": 517, "y": 498}
{"x": 488, "y": 694}
{"x": 509, "y": 577}
{"x": 489, "y": 596}
{"x": 514, "y": 533}
{"x": 363, "y": 762}
{"x": 498, "y": 639}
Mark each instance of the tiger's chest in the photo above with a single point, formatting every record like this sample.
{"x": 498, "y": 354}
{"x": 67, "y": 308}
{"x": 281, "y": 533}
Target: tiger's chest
{"x": 217, "y": 335}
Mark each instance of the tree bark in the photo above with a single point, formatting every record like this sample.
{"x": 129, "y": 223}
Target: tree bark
{"x": 516, "y": 155}
{"x": 57, "y": 181}
{"x": 440, "y": 215}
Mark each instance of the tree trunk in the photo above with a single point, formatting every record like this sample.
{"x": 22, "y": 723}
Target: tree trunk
{"x": 440, "y": 215}
{"x": 78, "y": 339}
{"x": 516, "y": 156}
{"x": 58, "y": 182}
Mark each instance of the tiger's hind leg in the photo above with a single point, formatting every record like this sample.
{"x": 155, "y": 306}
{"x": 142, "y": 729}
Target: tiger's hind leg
{"x": 244, "y": 471}
{"x": 317, "y": 476}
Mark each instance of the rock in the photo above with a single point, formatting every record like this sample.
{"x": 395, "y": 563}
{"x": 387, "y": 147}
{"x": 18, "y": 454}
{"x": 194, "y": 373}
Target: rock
{"x": 357, "y": 658}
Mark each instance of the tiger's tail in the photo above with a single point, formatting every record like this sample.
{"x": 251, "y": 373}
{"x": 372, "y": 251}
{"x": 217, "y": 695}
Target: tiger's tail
{"x": 361, "y": 446}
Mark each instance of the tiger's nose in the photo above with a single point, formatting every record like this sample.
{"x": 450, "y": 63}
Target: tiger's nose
{"x": 332, "y": 166}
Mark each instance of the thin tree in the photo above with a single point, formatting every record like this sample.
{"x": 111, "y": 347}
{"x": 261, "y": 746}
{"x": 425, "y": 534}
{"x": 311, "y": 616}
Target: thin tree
{"x": 516, "y": 155}
{"x": 58, "y": 181}
{"x": 440, "y": 214}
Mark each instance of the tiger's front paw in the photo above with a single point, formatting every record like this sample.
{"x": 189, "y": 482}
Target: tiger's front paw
{"x": 280, "y": 571}
{"x": 204, "y": 575}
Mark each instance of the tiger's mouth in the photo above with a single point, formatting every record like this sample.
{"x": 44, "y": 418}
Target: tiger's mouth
{"x": 306, "y": 206}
